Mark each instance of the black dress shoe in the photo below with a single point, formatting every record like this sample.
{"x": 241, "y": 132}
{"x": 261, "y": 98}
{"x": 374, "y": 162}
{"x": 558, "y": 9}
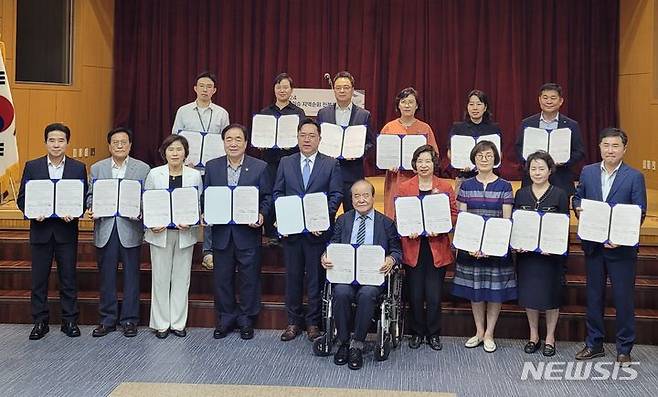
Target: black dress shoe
{"x": 39, "y": 331}
{"x": 435, "y": 342}
{"x": 162, "y": 334}
{"x": 531, "y": 347}
{"x": 340, "y": 358}
{"x": 70, "y": 328}
{"x": 247, "y": 332}
{"x": 624, "y": 360}
{"x": 219, "y": 333}
{"x": 129, "y": 330}
{"x": 355, "y": 360}
{"x": 588, "y": 353}
{"x": 415, "y": 341}
{"x": 102, "y": 330}
{"x": 548, "y": 350}
{"x": 179, "y": 333}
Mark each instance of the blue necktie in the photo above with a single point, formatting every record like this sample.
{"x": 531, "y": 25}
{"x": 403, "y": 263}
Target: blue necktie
{"x": 306, "y": 171}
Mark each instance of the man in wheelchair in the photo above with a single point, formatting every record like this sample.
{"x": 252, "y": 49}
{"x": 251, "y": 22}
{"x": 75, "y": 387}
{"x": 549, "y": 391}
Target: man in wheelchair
{"x": 361, "y": 226}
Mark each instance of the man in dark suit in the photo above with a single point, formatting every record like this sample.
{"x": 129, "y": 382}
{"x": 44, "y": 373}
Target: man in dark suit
{"x": 550, "y": 118}
{"x": 614, "y": 182}
{"x": 53, "y": 237}
{"x": 362, "y": 225}
{"x": 237, "y": 246}
{"x": 345, "y": 113}
{"x": 118, "y": 239}
{"x": 301, "y": 173}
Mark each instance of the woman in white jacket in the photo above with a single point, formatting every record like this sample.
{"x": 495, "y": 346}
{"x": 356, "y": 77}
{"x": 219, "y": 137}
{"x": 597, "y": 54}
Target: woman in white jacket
{"x": 171, "y": 249}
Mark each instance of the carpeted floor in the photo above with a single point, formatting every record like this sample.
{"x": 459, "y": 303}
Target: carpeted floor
{"x": 86, "y": 366}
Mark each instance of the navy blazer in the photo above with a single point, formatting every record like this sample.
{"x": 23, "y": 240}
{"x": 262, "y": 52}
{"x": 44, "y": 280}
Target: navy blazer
{"x": 627, "y": 188}
{"x": 563, "y": 176}
{"x": 252, "y": 174}
{"x": 325, "y": 177}
{"x": 385, "y": 233}
{"x": 41, "y": 232}
{"x": 352, "y": 170}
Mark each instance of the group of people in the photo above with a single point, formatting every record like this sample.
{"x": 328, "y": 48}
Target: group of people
{"x": 534, "y": 279}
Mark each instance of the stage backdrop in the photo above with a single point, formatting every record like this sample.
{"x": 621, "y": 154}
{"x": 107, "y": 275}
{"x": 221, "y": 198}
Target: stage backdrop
{"x": 443, "y": 48}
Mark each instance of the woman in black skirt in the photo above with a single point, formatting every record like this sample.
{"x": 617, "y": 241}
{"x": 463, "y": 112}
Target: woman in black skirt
{"x": 539, "y": 275}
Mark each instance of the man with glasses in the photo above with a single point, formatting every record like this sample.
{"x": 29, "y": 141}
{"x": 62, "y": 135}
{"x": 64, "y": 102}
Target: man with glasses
{"x": 204, "y": 116}
{"x": 118, "y": 239}
{"x": 345, "y": 113}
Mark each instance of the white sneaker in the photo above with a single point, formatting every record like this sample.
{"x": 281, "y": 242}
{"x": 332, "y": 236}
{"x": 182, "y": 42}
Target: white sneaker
{"x": 207, "y": 261}
{"x": 489, "y": 345}
{"x": 473, "y": 342}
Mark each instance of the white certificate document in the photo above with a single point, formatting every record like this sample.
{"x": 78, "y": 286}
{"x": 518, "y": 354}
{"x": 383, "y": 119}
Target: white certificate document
{"x": 525, "y": 230}
{"x": 495, "y": 241}
{"x": 195, "y": 141}
{"x": 263, "y": 131}
{"x": 130, "y": 198}
{"x": 436, "y": 213}
{"x": 369, "y": 259}
{"x": 534, "y": 139}
{"x": 69, "y": 196}
{"x": 217, "y": 205}
{"x": 286, "y": 131}
{"x": 213, "y": 147}
{"x": 460, "y": 151}
{"x": 185, "y": 206}
{"x": 316, "y": 212}
{"x": 495, "y": 139}
{"x": 625, "y": 224}
{"x": 559, "y": 146}
{"x": 409, "y": 145}
{"x": 554, "y": 237}
{"x": 105, "y": 198}
{"x": 331, "y": 143}
{"x": 157, "y": 208}
{"x": 39, "y": 198}
{"x": 245, "y": 205}
{"x": 289, "y": 215}
{"x": 468, "y": 232}
{"x": 594, "y": 221}
{"x": 388, "y": 152}
{"x": 354, "y": 142}
{"x": 342, "y": 259}
{"x": 408, "y": 216}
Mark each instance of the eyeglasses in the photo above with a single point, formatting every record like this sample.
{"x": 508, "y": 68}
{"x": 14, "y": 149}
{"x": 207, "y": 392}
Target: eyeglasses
{"x": 484, "y": 156}
{"x": 119, "y": 143}
{"x": 342, "y": 87}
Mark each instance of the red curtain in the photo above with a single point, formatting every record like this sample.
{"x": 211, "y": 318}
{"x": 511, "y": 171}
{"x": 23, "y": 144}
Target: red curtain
{"x": 444, "y": 48}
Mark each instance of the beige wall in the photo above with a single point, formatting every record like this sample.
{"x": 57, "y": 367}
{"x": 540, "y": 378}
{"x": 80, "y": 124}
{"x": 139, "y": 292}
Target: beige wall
{"x": 86, "y": 105}
{"x": 638, "y": 83}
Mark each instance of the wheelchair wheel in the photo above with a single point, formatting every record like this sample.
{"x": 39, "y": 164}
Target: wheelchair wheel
{"x": 322, "y": 345}
{"x": 383, "y": 346}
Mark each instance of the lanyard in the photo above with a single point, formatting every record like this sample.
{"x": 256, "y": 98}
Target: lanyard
{"x": 203, "y": 127}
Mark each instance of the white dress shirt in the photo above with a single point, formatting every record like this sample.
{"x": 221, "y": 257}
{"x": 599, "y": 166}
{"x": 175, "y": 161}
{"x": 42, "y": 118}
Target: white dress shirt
{"x": 343, "y": 115}
{"x": 56, "y": 171}
{"x": 607, "y": 179}
{"x": 119, "y": 172}
{"x": 192, "y": 117}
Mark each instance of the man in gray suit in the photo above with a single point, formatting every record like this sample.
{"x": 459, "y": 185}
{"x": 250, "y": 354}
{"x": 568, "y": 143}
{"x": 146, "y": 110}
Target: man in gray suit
{"x": 118, "y": 239}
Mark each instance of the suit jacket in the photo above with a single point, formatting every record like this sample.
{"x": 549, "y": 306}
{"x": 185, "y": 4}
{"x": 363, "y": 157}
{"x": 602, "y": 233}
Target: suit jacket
{"x": 325, "y": 177}
{"x": 131, "y": 232}
{"x": 158, "y": 178}
{"x": 627, "y": 188}
{"x": 385, "y": 233}
{"x": 563, "y": 176}
{"x": 440, "y": 245}
{"x": 41, "y": 232}
{"x": 253, "y": 173}
{"x": 352, "y": 170}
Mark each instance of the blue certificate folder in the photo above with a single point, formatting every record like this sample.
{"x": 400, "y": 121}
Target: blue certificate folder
{"x": 302, "y": 213}
{"x": 119, "y": 184}
{"x": 44, "y": 193}
{"x": 155, "y": 201}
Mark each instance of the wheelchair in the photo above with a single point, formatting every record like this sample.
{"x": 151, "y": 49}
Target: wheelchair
{"x": 389, "y": 317}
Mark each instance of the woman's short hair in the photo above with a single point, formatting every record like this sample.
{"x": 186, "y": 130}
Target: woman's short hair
{"x": 425, "y": 149}
{"x": 405, "y": 93}
{"x": 484, "y": 146}
{"x": 541, "y": 155}
{"x": 171, "y": 139}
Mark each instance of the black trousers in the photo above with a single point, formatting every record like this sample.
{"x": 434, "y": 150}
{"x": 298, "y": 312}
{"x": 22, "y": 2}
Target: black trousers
{"x": 108, "y": 263}
{"x": 65, "y": 254}
{"x": 303, "y": 263}
{"x": 247, "y": 261}
{"x": 365, "y": 297}
{"x": 424, "y": 289}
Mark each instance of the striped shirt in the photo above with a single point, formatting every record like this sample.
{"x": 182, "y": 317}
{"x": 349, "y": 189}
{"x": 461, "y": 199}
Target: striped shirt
{"x": 486, "y": 202}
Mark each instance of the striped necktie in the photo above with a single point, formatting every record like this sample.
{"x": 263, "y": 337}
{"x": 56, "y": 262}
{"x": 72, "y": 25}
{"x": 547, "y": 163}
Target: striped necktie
{"x": 361, "y": 233}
